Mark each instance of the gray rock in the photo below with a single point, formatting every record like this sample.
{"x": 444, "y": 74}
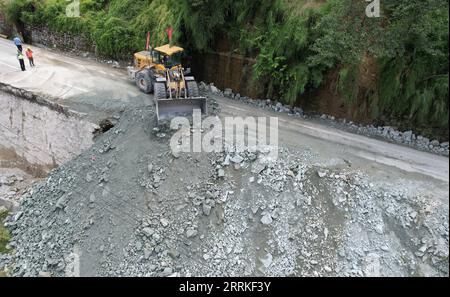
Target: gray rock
{"x": 228, "y": 92}
{"x": 435, "y": 143}
{"x": 267, "y": 260}
{"x": 148, "y": 231}
{"x": 321, "y": 174}
{"x": 173, "y": 254}
{"x": 252, "y": 157}
{"x": 92, "y": 198}
{"x": 214, "y": 90}
{"x": 88, "y": 177}
{"x": 156, "y": 237}
{"x": 62, "y": 202}
{"x": 266, "y": 219}
{"x": 138, "y": 245}
{"x": 206, "y": 209}
{"x": 164, "y": 222}
{"x": 191, "y": 233}
{"x": 258, "y": 168}
{"x": 379, "y": 228}
{"x": 44, "y": 274}
{"x": 166, "y": 272}
{"x": 226, "y": 162}
{"x": 147, "y": 253}
{"x": 237, "y": 159}
{"x": 407, "y": 136}
{"x": 202, "y": 86}
{"x": 298, "y": 111}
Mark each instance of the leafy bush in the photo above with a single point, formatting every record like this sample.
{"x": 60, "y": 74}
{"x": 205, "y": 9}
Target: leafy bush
{"x": 4, "y": 234}
{"x": 410, "y": 43}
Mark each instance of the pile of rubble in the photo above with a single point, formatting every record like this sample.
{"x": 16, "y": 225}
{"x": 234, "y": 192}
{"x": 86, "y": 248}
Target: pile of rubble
{"x": 391, "y": 134}
{"x": 129, "y": 207}
{"x": 13, "y": 183}
{"x": 386, "y": 132}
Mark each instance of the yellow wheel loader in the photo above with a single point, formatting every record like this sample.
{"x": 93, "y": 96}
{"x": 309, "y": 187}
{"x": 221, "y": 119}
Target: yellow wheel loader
{"x": 159, "y": 71}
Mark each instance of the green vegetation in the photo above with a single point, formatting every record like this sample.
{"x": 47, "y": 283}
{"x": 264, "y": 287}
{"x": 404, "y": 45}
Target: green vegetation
{"x": 4, "y": 234}
{"x": 297, "y": 44}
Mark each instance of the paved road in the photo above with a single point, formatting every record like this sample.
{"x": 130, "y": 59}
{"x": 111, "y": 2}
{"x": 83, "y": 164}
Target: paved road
{"x": 81, "y": 84}
{"x": 95, "y": 89}
{"x": 334, "y": 142}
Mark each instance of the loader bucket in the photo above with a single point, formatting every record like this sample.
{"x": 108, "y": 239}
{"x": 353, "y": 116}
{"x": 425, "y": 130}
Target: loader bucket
{"x": 170, "y": 108}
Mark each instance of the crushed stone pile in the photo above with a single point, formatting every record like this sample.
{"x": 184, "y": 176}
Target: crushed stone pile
{"x": 129, "y": 207}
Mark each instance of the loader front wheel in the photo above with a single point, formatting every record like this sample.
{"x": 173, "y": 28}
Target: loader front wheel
{"x": 193, "y": 91}
{"x": 144, "y": 82}
{"x": 160, "y": 91}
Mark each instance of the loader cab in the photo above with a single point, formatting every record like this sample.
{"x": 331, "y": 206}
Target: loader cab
{"x": 169, "y": 56}
{"x": 171, "y": 61}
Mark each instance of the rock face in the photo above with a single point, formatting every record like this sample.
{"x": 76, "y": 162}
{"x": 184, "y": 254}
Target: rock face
{"x": 63, "y": 41}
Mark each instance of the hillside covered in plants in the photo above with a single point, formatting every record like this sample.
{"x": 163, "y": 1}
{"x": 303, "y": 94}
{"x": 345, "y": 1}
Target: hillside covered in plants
{"x": 391, "y": 67}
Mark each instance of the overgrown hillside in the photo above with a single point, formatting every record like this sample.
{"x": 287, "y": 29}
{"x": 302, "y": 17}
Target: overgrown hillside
{"x": 395, "y": 66}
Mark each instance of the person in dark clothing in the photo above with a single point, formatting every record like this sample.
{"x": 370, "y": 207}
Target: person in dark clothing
{"x": 18, "y": 43}
{"x": 20, "y": 57}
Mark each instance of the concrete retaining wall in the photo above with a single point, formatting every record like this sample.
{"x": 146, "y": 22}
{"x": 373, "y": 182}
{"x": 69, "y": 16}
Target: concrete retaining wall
{"x": 62, "y": 41}
{"x": 41, "y": 135}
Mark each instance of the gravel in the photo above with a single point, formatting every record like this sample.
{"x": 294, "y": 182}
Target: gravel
{"x": 127, "y": 207}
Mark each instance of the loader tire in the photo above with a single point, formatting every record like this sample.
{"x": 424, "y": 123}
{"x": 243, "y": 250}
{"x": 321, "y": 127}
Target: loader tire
{"x": 144, "y": 82}
{"x": 160, "y": 91}
{"x": 193, "y": 89}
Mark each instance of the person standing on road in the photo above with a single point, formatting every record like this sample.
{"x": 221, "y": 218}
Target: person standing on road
{"x": 20, "y": 57}
{"x": 29, "y": 54}
{"x": 18, "y": 43}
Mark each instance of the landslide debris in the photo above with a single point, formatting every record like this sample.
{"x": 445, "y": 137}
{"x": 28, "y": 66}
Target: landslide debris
{"x": 128, "y": 207}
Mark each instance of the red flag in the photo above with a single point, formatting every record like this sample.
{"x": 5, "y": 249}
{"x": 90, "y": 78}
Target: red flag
{"x": 148, "y": 41}
{"x": 169, "y": 33}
